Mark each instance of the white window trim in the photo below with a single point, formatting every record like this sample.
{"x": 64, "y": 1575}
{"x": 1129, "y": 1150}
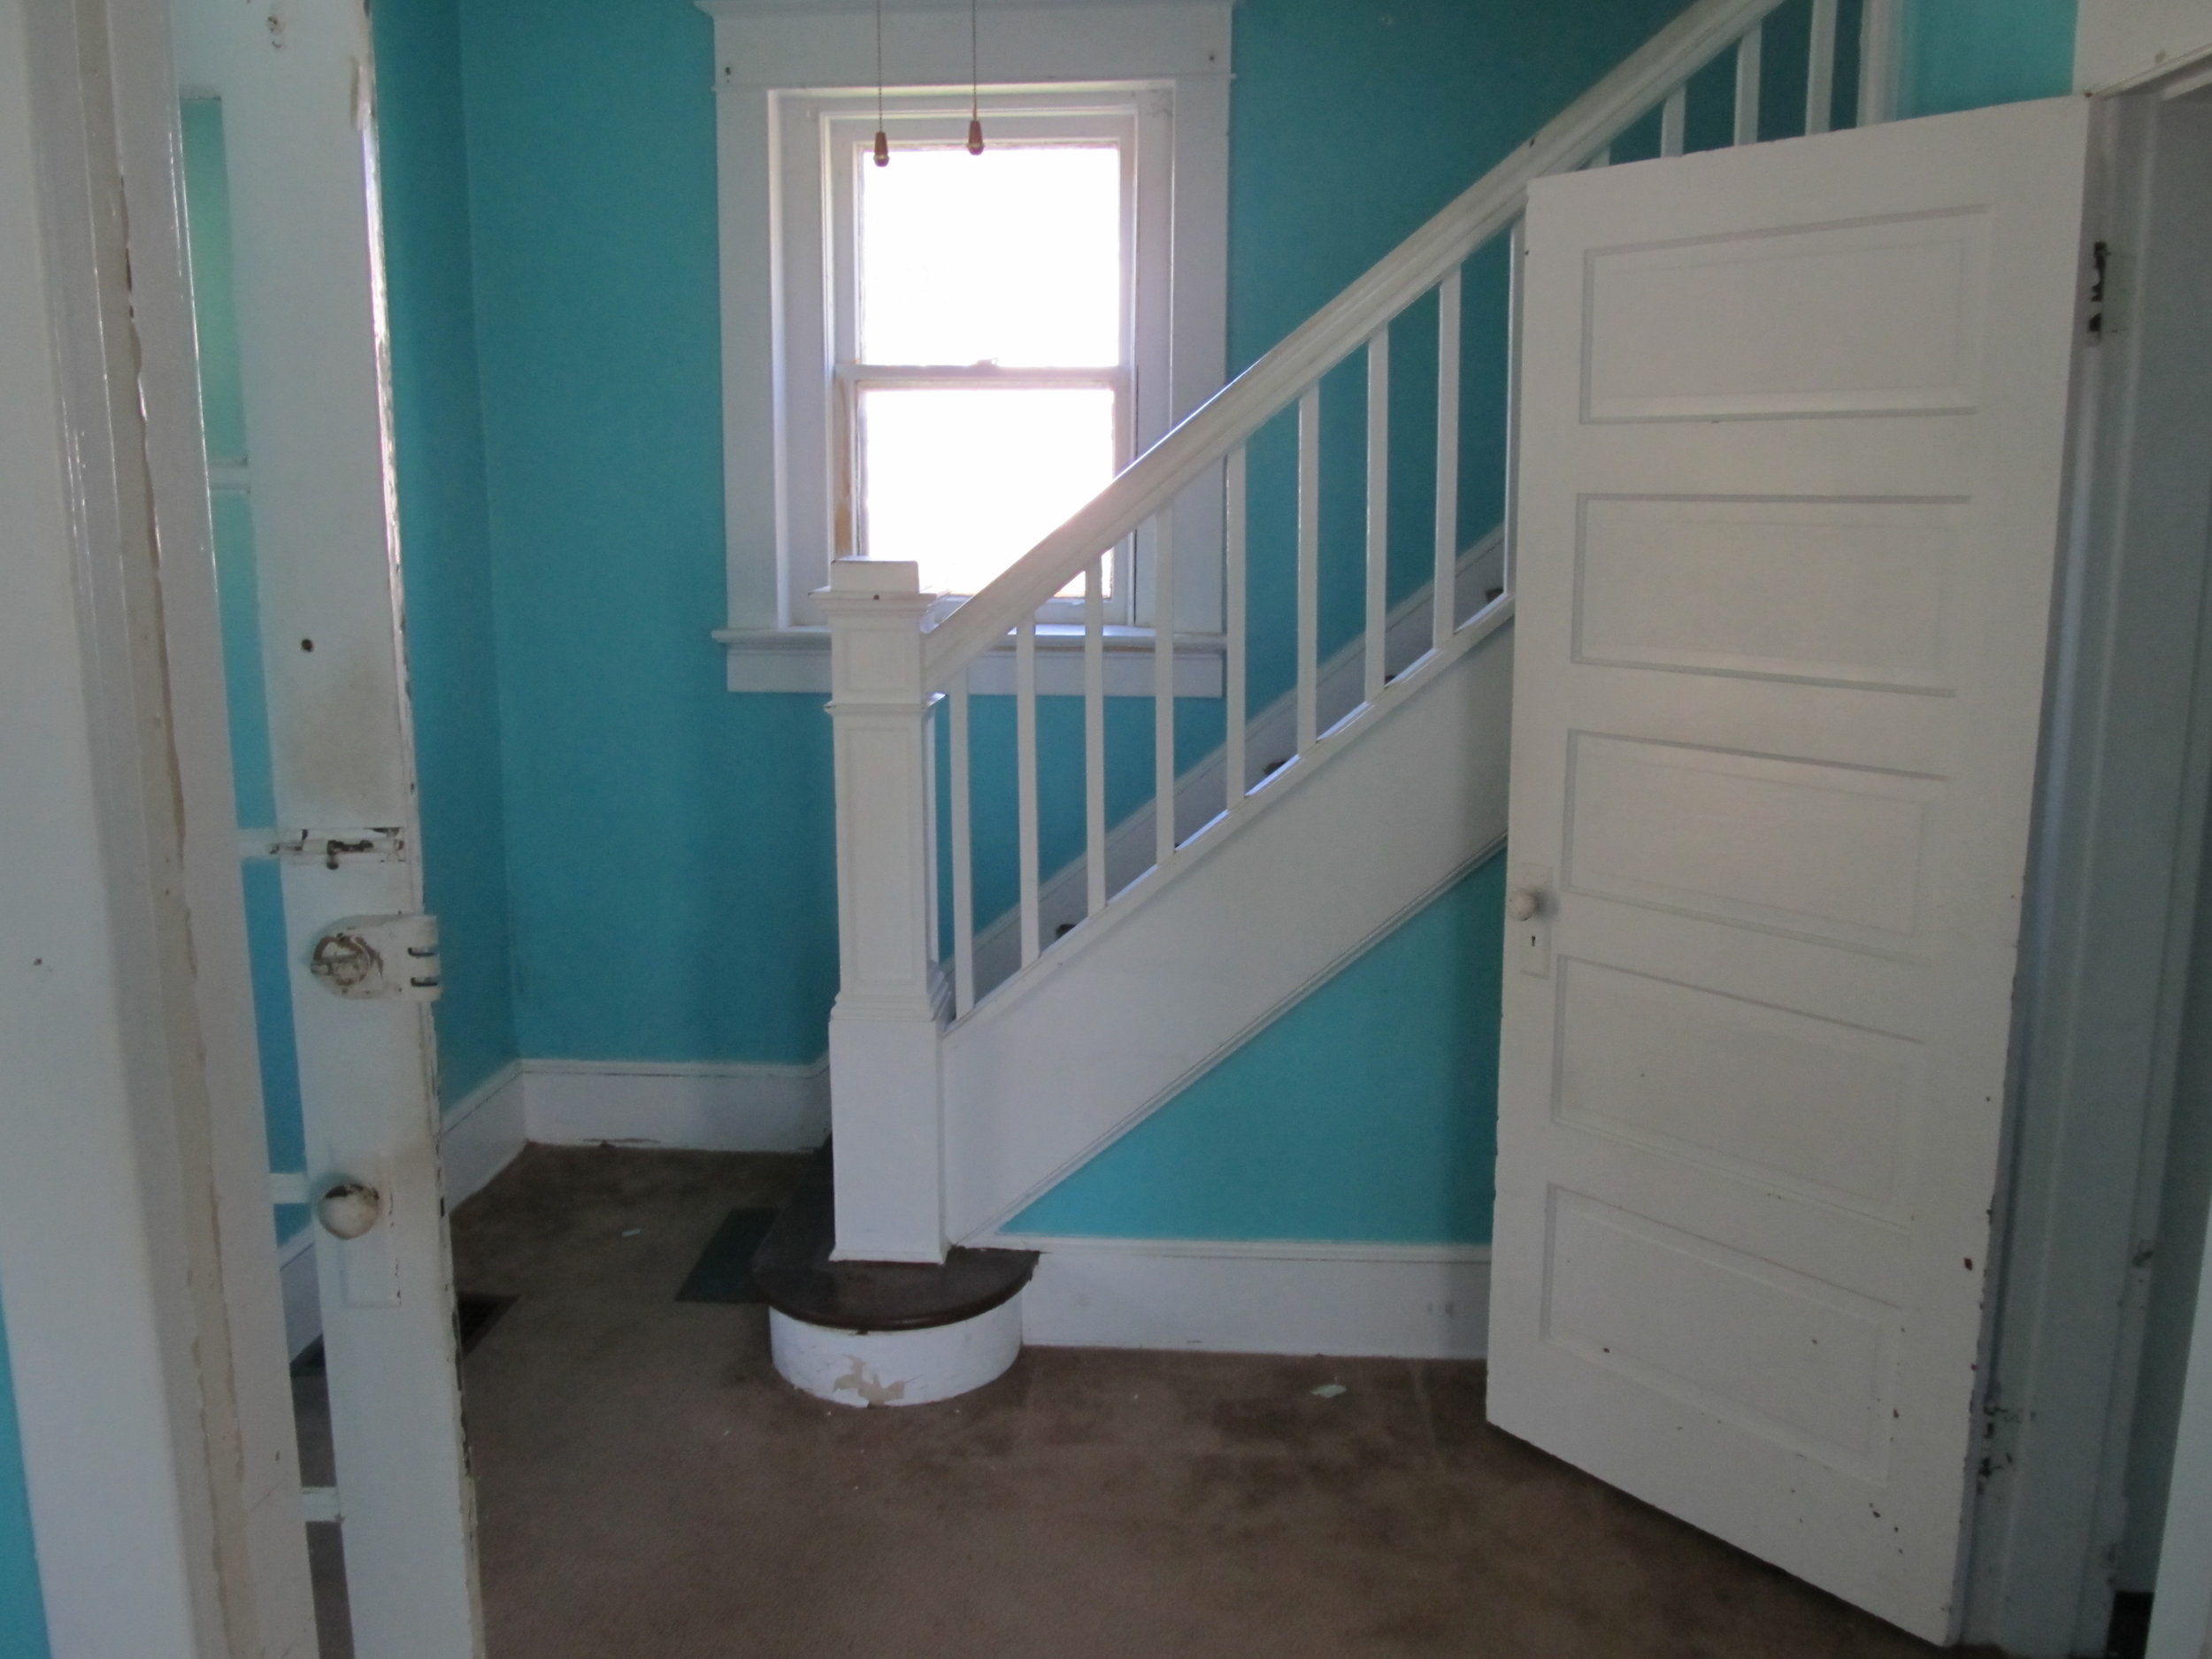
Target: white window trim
{"x": 772, "y": 59}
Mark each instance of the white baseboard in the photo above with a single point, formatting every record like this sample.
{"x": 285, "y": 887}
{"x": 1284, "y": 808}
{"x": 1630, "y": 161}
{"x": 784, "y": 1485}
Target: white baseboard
{"x": 693, "y": 1108}
{"x": 482, "y": 1133}
{"x": 1404, "y": 1301}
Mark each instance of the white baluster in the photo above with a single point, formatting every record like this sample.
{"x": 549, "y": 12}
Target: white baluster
{"x": 1377, "y": 512}
{"x": 1820, "y": 69}
{"x": 963, "y": 851}
{"x": 1748, "y": 51}
{"x": 1163, "y": 689}
{"x": 1515, "y": 247}
{"x": 1444, "y": 604}
{"x": 1674, "y": 120}
{"x": 1877, "y": 62}
{"x": 1601, "y": 156}
{"x": 1235, "y": 779}
{"x": 1095, "y": 733}
{"x": 1026, "y": 779}
{"x": 884, "y": 1103}
{"x": 1309, "y": 564}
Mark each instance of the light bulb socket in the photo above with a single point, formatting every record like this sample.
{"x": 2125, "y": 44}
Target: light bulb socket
{"x": 975, "y": 137}
{"x": 883, "y": 149}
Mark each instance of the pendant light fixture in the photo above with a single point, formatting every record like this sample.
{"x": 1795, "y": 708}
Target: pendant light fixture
{"x": 883, "y": 142}
{"x": 975, "y": 85}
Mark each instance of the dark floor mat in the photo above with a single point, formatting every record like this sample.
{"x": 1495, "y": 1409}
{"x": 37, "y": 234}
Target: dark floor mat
{"x": 725, "y": 1269}
{"x": 473, "y": 1316}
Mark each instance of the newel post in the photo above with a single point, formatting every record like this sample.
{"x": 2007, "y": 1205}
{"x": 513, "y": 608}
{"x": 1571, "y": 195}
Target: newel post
{"x": 884, "y": 1098}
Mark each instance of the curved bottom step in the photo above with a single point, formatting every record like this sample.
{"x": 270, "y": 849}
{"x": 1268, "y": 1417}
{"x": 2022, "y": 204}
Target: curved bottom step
{"x": 884, "y": 1333}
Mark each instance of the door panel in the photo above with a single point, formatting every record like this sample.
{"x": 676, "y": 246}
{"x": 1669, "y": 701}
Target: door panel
{"x": 1793, "y": 434}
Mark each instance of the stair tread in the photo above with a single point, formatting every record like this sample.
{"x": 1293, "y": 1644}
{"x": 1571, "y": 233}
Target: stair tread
{"x": 796, "y": 1275}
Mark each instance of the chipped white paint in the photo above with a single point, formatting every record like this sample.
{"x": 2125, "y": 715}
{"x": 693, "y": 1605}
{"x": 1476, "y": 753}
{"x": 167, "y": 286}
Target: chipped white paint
{"x": 896, "y": 1368}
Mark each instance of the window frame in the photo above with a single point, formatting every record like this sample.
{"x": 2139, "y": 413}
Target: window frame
{"x": 779, "y": 73}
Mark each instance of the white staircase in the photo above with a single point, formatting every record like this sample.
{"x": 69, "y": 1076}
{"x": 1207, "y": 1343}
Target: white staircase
{"x": 963, "y": 1089}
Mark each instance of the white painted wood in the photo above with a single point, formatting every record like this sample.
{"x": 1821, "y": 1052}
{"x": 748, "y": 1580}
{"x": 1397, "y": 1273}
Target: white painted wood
{"x": 1752, "y": 1098}
{"x": 1878, "y": 27}
{"x": 1026, "y": 782}
{"x": 1200, "y": 791}
{"x": 1820, "y": 69}
{"x": 1236, "y": 775}
{"x": 1674, "y": 119}
{"x": 1450, "y": 309}
{"x": 770, "y": 181}
{"x": 962, "y": 806}
{"x": 298, "y": 103}
{"x": 1163, "y": 693}
{"x": 1749, "y": 53}
{"x": 1199, "y": 443}
{"x": 694, "y": 1107}
{"x": 2119, "y": 42}
{"x": 144, "y": 1363}
{"x": 2181, "y": 1607}
{"x": 1378, "y": 618}
{"x": 883, "y": 1027}
{"x": 1126, "y": 1010}
{"x": 1397, "y": 1301}
{"x": 2121, "y": 830}
{"x": 1308, "y": 595}
{"x": 1094, "y": 750}
{"x": 896, "y": 1368}
{"x": 482, "y": 1133}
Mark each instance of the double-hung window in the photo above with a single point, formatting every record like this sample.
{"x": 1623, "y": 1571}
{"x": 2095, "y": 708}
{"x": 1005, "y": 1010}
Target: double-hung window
{"x": 941, "y": 358}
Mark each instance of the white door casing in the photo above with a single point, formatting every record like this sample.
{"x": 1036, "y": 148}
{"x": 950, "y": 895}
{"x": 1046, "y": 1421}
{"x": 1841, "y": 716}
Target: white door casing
{"x": 1794, "y": 423}
{"x": 297, "y": 90}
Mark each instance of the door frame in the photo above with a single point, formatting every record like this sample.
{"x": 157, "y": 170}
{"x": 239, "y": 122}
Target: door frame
{"x": 2121, "y": 813}
{"x": 136, "y": 1257}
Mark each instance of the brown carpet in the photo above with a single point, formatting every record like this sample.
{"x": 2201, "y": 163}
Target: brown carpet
{"x": 649, "y": 1489}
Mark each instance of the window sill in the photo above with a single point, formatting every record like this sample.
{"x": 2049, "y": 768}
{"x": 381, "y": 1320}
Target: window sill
{"x": 797, "y": 660}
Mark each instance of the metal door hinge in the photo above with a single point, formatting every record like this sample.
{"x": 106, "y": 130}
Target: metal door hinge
{"x": 380, "y": 955}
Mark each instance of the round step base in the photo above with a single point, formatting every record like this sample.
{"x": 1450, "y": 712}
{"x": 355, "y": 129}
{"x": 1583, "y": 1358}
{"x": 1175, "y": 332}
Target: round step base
{"x": 896, "y": 1368}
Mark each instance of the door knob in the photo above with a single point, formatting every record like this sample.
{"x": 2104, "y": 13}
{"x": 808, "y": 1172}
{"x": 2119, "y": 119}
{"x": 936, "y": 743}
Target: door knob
{"x": 350, "y": 1208}
{"x": 1524, "y": 905}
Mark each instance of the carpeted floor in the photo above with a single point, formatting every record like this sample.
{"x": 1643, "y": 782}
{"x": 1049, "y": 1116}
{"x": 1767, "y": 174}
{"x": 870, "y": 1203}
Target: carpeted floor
{"x": 649, "y": 1489}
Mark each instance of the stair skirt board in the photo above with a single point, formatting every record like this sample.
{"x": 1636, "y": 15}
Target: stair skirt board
{"x": 1107, "y": 1028}
{"x": 1348, "y": 1301}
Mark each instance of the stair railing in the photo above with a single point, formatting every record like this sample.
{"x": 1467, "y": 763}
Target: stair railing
{"x": 890, "y": 667}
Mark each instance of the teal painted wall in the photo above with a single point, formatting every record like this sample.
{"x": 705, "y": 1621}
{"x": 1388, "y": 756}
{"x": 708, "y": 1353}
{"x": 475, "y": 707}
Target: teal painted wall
{"x": 22, "y": 1605}
{"x": 1965, "y": 54}
{"x": 1368, "y": 1110}
{"x": 445, "y": 531}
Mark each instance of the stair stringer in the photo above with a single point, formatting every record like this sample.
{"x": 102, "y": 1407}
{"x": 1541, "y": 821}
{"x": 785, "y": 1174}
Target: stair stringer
{"x": 1100, "y": 1031}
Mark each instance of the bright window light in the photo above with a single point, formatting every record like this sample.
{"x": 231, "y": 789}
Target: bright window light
{"x": 965, "y": 480}
{"x": 1012, "y": 257}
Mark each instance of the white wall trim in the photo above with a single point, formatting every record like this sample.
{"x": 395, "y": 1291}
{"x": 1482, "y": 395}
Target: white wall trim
{"x": 482, "y": 1133}
{"x": 731, "y": 1108}
{"x": 768, "y": 214}
{"x": 302, "y": 1298}
{"x": 1276, "y": 1296}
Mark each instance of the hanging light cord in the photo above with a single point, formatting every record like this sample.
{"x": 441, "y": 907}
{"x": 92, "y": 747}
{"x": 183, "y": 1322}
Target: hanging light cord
{"x": 883, "y": 142}
{"x": 975, "y": 86}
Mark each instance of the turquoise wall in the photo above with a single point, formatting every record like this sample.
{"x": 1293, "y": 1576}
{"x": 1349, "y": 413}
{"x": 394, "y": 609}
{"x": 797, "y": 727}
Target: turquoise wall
{"x": 22, "y": 1607}
{"x": 445, "y": 532}
{"x": 1965, "y": 54}
{"x": 1368, "y": 1110}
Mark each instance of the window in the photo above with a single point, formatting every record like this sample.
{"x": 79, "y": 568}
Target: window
{"x": 985, "y": 330}
{"x": 940, "y": 359}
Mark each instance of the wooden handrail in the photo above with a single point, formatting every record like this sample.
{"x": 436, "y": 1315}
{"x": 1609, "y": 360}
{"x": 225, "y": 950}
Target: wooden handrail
{"x": 1206, "y": 436}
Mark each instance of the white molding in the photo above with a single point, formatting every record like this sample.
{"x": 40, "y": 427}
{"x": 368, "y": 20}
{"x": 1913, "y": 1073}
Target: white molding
{"x": 1402, "y": 1301}
{"x": 303, "y": 1299}
{"x": 482, "y": 1133}
{"x": 703, "y": 1108}
{"x": 896, "y": 1368}
{"x": 798, "y": 660}
{"x": 764, "y": 59}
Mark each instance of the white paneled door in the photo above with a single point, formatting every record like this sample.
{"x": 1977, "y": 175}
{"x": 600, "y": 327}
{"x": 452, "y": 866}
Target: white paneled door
{"x": 1794, "y": 428}
{"x": 297, "y": 89}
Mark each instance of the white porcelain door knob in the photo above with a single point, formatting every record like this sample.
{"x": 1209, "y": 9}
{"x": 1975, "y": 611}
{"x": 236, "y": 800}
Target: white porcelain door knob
{"x": 1523, "y": 903}
{"x": 349, "y": 1209}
